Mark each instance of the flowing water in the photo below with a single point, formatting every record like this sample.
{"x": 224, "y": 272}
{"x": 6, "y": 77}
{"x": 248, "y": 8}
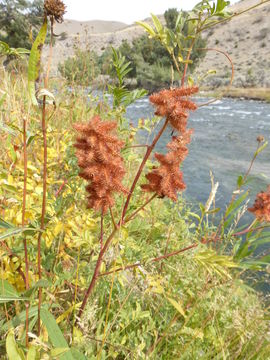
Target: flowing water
{"x": 224, "y": 142}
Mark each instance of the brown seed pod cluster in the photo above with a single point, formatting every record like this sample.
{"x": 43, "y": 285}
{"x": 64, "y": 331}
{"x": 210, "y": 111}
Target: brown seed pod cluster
{"x": 98, "y": 154}
{"x": 174, "y": 105}
{"x": 55, "y": 9}
{"x": 167, "y": 179}
{"x": 261, "y": 207}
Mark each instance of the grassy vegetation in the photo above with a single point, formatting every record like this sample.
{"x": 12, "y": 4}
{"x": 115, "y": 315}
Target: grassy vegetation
{"x": 147, "y": 279}
{"x": 191, "y": 305}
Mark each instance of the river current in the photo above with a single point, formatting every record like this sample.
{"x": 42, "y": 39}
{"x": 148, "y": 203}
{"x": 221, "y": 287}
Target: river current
{"x": 224, "y": 142}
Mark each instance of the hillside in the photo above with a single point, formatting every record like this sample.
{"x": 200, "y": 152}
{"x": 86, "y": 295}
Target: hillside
{"x": 246, "y": 38}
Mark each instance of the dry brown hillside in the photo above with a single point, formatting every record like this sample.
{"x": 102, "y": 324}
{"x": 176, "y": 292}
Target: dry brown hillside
{"x": 246, "y": 38}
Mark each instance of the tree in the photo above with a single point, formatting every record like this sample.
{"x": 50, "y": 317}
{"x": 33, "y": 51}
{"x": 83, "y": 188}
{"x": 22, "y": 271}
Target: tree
{"x": 82, "y": 68}
{"x": 171, "y": 16}
{"x": 17, "y": 19}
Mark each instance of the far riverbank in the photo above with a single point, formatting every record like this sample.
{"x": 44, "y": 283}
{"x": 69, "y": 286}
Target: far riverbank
{"x": 262, "y": 94}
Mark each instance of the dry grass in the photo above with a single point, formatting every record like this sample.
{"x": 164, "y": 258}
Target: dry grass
{"x": 246, "y": 93}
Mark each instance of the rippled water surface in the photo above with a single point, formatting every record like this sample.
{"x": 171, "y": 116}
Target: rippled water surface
{"x": 224, "y": 141}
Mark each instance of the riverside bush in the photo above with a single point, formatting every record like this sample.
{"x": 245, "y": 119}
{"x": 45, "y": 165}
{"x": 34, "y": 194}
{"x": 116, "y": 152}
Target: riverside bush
{"x": 135, "y": 275}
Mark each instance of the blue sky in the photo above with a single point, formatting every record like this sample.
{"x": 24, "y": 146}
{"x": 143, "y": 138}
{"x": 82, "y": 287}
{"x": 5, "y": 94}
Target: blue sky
{"x": 126, "y": 11}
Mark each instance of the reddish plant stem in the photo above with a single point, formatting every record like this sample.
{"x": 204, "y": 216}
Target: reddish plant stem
{"x": 121, "y": 221}
{"x": 101, "y": 231}
{"x": 44, "y": 198}
{"x": 96, "y": 272}
{"x": 60, "y": 188}
{"x": 131, "y": 217}
{"x": 243, "y": 232}
{"x": 186, "y": 64}
{"x": 166, "y": 256}
{"x": 146, "y": 156}
{"x": 113, "y": 219}
{"x": 136, "y": 146}
{"x": 227, "y": 56}
{"x": 23, "y": 224}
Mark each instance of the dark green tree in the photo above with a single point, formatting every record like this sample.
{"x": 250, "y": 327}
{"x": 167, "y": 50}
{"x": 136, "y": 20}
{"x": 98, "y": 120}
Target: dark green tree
{"x": 17, "y": 19}
{"x": 171, "y": 16}
{"x": 82, "y": 68}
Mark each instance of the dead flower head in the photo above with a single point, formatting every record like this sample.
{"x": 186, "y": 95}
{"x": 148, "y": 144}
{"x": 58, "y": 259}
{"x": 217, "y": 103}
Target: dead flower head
{"x": 167, "y": 179}
{"x": 261, "y": 207}
{"x": 55, "y": 9}
{"x": 98, "y": 153}
{"x": 174, "y": 105}
{"x": 260, "y": 139}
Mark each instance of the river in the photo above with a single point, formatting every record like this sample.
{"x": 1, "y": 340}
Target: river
{"x": 224, "y": 142}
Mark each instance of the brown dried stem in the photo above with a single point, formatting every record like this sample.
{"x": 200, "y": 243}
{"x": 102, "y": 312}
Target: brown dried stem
{"x": 44, "y": 196}
{"x": 23, "y": 224}
{"x": 44, "y": 199}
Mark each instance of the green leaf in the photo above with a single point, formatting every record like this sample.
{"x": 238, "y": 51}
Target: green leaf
{"x": 243, "y": 251}
{"x": 5, "y": 225}
{"x": 55, "y": 334}
{"x": 55, "y": 353}
{"x": 221, "y": 4}
{"x": 77, "y": 355}
{"x": 213, "y": 211}
{"x": 34, "y": 61}
{"x": 11, "y": 232}
{"x": 194, "y": 333}
{"x": 40, "y": 283}
{"x": 8, "y": 293}
{"x": 252, "y": 264}
{"x": 157, "y": 24}
{"x": 7, "y": 289}
{"x": 3, "y": 99}
{"x": 147, "y": 27}
{"x": 265, "y": 259}
{"x": 13, "y": 352}
{"x": 32, "y": 353}
{"x": 19, "y": 319}
{"x": 177, "y": 306}
{"x": 235, "y": 204}
{"x": 261, "y": 148}
{"x": 180, "y": 21}
{"x": 240, "y": 181}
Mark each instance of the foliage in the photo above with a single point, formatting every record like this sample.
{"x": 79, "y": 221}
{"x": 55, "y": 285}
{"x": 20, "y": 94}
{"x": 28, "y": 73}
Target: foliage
{"x": 168, "y": 282}
{"x": 6, "y": 50}
{"x": 81, "y": 69}
{"x": 34, "y": 61}
{"x": 149, "y": 61}
{"x": 121, "y": 95}
{"x": 17, "y": 19}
